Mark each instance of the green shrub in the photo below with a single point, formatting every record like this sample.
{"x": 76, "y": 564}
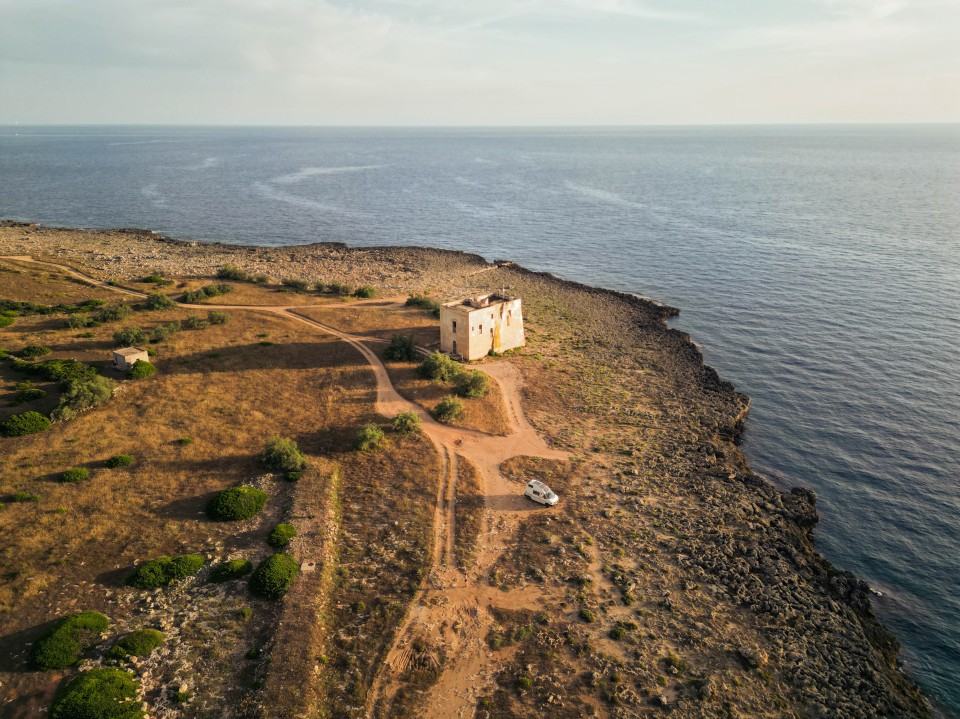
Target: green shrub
{"x": 587, "y": 615}
{"x": 448, "y": 409}
{"x": 78, "y": 322}
{"x": 154, "y": 279}
{"x": 32, "y": 352}
{"x": 193, "y": 322}
{"x": 137, "y": 644}
{"x": 368, "y": 438}
{"x": 424, "y": 303}
{"x": 281, "y": 454}
{"x": 229, "y": 272}
{"x": 401, "y": 349}
{"x": 163, "y": 571}
{"x": 261, "y": 279}
{"x": 194, "y": 296}
{"x": 473, "y": 384}
{"x": 57, "y": 370}
{"x": 320, "y": 286}
{"x": 217, "y": 317}
{"x": 77, "y": 474}
{"x": 161, "y": 333}
{"x": 294, "y": 284}
{"x": 24, "y": 497}
{"x": 439, "y": 368}
{"x": 5, "y": 320}
{"x": 141, "y": 370}
{"x": 159, "y": 301}
{"x": 113, "y": 314}
{"x": 233, "y": 569}
{"x": 99, "y": 694}
{"x": 129, "y": 336}
{"x": 406, "y": 422}
{"x": 62, "y": 646}
{"x": 336, "y": 288}
{"x": 26, "y": 392}
{"x": 364, "y": 292}
{"x": 236, "y": 503}
{"x": 273, "y": 577}
{"x": 119, "y": 460}
{"x": 83, "y": 394}
{"x": 184, "y": 441}
{"x": 281, "y": 535}
{"x": 617, "y": 633}
{"x": 18, "y": 425}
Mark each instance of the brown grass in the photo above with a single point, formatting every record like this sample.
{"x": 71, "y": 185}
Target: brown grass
{"x": 218, "y": 386}
{"x": 24, "y": 283}
{"x": 468, "y": 512}
{"x": 380, "y": 318}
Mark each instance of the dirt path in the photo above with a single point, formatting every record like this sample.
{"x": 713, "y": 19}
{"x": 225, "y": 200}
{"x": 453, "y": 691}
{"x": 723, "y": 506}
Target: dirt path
{"x": 451, "y": 613}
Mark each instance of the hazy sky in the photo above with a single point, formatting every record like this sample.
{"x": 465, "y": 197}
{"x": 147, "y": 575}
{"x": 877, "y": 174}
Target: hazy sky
{"x": 479, "y": 62}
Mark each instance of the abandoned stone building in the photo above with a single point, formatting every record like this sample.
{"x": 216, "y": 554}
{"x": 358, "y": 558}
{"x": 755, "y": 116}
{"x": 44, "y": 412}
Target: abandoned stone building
{"x": 124, "y": 359}
{"x": 471, "y": 328}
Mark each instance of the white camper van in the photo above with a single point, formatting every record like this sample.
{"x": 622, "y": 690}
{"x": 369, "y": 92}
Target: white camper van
{"x": 540, "y": 493}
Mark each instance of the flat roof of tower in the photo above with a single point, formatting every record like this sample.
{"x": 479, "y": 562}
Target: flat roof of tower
{"x": 481, "y": 301}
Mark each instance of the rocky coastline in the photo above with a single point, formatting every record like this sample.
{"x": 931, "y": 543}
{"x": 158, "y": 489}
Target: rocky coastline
{"x": 726, "y": 560}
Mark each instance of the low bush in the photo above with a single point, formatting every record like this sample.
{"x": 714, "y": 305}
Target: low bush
{"x": 26, "y": 392}
{"x": 192, "y": 297}
{"x": 320, "y": 286}
{"x": 273, "y": 577}
{"x": 137, "y": 644}
{"x": 116, "y": 313}
{"x": 18, "y": 425}
{"x": 161, "y": 333}
{"x": 587, "y": 615}
{"x": 141, "y": 370}
{"x": 282, "y": 455}
{"x": 77, "y": 474}
{"x": 193, "y": 322}
{"x": 336, "y": 288}
{"x": 448, "y": 409}
{"x": 217, "y": 317}
{"x": 368, "y": 438}
{"x": 79, "y": 322}
{"x": 294, "y": 284}
{"x": 99, "y": 694}
{"x": 57, "y": 370}
{"x": 129, "y": 336}
{"x": 401, "y": 349}
{"x": 236, "y": 503}
{"x": 424, "y": 303}
{"x": 154, "y": 279}
{"x": 24, "y": 497}
{"x": 229, "y": 272}
{"x": 439, "y": 368}
{"x": 364, "y": 292}
{"x": 163, "y": 571}
{"x": 473, "y": 384}
{"x": 159, "y": 301}
{"x": 119, "y": 460}
{"x": 232, "y": 569}
{"x": 406, "y": 422}
{"x": 31, "y": 352}
{"x": 6, "y": 320}
{"x": 62, "y": 646}
{"x": 281, "y": 535}
{"x": 83, "y": 394}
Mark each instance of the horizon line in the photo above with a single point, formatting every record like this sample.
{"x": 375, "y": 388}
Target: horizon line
{"x": 361, "y": 126}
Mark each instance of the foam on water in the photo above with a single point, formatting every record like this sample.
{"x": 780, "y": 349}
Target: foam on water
{"x": 818, "y": 267}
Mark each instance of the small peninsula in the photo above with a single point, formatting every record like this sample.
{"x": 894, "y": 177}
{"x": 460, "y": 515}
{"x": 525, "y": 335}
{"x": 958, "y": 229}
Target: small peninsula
{"x": 272, "y": 516}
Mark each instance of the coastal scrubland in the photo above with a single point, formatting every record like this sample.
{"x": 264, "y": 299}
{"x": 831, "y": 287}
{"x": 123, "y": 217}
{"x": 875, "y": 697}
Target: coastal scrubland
{"x": 670, "y": 578}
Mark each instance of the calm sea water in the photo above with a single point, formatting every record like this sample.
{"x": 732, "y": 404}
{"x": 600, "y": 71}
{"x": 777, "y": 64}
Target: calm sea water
{"x": 818, "y": 267}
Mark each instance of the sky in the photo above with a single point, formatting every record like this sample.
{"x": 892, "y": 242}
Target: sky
{"x": 479, "y": 62}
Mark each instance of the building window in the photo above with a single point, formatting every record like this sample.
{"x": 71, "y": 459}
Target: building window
{"x": 454, "y": 325}
{"x": 481, "y": 329}
{"x": 509, "y": 315}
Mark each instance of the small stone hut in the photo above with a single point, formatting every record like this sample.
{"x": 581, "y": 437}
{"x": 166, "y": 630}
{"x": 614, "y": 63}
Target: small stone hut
{"x": 124, "y": 358}
{"x": 471, "y": 328}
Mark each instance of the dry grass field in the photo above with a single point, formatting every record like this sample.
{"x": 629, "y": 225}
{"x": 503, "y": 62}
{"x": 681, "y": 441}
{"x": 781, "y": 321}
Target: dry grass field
{"x": 193, "y": 428}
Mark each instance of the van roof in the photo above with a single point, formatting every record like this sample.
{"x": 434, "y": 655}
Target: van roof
{"x": 537, "y": 484}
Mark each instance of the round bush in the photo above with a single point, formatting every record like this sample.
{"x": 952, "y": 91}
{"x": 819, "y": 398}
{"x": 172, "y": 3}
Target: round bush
{"x": 163, "y": 571}
{"x": 439, "y": 367}
{"x": 5, "y": 321}
{"x": 32, "y": 352}
{"x": 236, "y": 503}
{"x": 78, "y": 474}
{"x": 119, "y": 460}
{"x": 368, "y": 438}
{"x": 129, "y": 336}
{"x": 137, "y": 644}
{"x": 448, "y": 409}
{"x": 18, "y": 425}
{"x": 99, "y": 694}
{"x": 281, "y": 535}
{"x": 473, "y": 384}
{"x": 282, "y": 455}
{"x": 401, "y": 349}
{"x": 233, "y": 569}
{"x": 364, "y": 292}
{"x": 406, "y": 422}
{"x": 159, "y": 301}
{"x": 62, "y": 645}
{"x": 273, "y": 577}
{"x": 141, "y": 370}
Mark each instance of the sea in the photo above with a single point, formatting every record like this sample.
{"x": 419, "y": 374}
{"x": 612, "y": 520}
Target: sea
{"x": 818, "y": 268}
